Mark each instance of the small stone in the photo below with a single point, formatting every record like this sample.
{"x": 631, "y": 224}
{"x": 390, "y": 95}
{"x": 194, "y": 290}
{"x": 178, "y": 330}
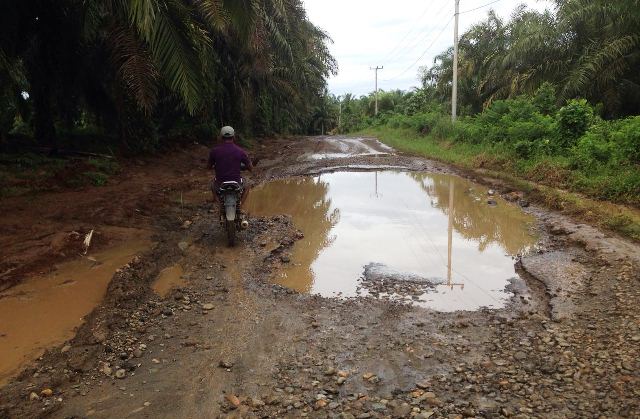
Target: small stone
{"x": 330, "y": 371}
{"x": 137, "y": 353}
{"x": 402, "y": 411}
{"x": 207, "y": 306}
{"x": 47, "y": 392}
{"x": 340, "y": 381}
{"x": 523, "y": 203}
{"x": 263, "y": 244}
{"x": 155, "y": 361}
{"x": 285, "y": 258}
{"x": 65, "y": 348}
{"x": 186, "y": 224}
{"x": 256, "y": 402}
{"x": 233, "y": 400}
{"x": 225, "y": 363}
{"x": 333, "y": 405}
{"x": 121, "y": 373}
{"x": 33, "y": 396}
{"x": 378, "y": 407}
{"x": 343, "y": 374}
{"x": 106, "y": 370}
{"x": 321, "y": 403}
{"x": 492, "y": 202}
{"x": 367, "y": 375}
{"x": 146, "y": 404}
{"x": 424, "y": 384}
{"x": 520, "y": 356}
{"x": 209, "y": 278}
{"x": 491, "y": 192}
{"x": 167, "y": 312}
{"x": 183, "y": 246}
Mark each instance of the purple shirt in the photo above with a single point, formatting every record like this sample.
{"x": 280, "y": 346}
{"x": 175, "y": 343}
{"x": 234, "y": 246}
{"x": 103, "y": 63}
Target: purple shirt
{"x": 226, "y": 158}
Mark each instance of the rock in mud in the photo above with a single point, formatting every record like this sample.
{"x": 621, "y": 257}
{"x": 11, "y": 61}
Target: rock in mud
{"x": 208, "y": 306}
{"x": 424, "y": 384}
{"x": 233, "y": 400}
{"x": 121, "y": 373}
{"x": 47, "y": 392}
{"x": 225, "y": 363}
{"x": 379, "y": 271}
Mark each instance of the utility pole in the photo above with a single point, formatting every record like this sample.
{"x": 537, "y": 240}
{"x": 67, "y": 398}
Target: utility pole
{"x": 339, "y": 112}
{"x": 454, "y": 92}
{"x": 376, "y": 68}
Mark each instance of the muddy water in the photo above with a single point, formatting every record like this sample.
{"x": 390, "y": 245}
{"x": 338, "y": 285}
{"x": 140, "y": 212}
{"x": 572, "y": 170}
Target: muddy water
{"x": 44, "y": 311}
{"x": 334, "y": 147}
{"x": 168, "y": 278}
{"x": 427, "y": 225}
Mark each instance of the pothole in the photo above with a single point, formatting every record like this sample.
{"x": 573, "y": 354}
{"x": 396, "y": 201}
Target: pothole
{"x": 434, "y": 240}
{"x": 333, "y": 148}
{"x": 44, "y": 311}
{"x": 167, "y": 279}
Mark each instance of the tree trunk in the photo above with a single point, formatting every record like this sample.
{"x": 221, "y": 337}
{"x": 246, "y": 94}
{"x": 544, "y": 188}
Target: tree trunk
{"x": 45, "y": 131}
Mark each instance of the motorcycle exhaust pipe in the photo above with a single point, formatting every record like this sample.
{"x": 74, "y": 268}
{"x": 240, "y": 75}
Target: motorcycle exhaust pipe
{"x": 244, "y": 224}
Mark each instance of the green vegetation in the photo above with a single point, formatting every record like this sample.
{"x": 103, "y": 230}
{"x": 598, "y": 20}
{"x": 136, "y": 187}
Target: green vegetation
{"x": 548, "y": 101}
{"x": 129, "y": 75}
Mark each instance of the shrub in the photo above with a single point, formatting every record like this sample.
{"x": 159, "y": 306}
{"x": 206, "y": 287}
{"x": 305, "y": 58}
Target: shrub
{"x": 626, "y": 138}
{"x": 573, "y": 121}
{"x": 545, "y": 99}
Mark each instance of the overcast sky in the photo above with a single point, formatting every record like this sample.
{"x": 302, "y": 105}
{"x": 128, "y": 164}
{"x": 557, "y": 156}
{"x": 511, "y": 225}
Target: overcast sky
{"x": 400, "y": 35}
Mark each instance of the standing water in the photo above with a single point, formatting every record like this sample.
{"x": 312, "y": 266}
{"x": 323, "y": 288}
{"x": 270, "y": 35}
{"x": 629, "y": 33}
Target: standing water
{"x": 434, "y": 230}
{"x": 45, "y": 311}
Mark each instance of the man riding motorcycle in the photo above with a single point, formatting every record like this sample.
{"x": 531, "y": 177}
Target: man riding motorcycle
{"x": 228, "y": 159}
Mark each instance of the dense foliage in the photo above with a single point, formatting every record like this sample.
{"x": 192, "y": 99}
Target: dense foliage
{"x": 138, "y": 69}
{"x": 585, "y": 48}
{"x": 546, "y": 96}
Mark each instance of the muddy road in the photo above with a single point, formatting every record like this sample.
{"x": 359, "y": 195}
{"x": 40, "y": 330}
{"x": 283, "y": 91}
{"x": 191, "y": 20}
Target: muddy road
{"x": 369, "y": 284}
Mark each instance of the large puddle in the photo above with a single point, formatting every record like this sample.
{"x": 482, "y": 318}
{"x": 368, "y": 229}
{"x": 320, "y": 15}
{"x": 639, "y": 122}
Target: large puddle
{"x": 431, "y": 238}
{"x": 44, "y": 311}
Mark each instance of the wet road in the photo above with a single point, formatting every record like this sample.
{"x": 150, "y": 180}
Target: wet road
{"x": 229, "y": 343}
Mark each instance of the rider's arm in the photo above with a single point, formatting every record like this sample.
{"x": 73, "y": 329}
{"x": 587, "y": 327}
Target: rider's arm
{"x": 247, "y": 162}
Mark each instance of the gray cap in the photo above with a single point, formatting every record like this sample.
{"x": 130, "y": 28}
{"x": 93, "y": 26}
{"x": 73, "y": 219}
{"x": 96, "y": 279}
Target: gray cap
{"x": 227, "y": 132}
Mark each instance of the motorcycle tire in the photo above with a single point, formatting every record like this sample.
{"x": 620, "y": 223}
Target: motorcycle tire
{"x": 231, "y": 232}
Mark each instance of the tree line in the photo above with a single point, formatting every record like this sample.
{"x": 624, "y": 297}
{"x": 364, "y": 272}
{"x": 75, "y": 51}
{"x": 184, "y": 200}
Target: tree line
{"x": 139, "y": 69}
{"x": 587, "y": 49}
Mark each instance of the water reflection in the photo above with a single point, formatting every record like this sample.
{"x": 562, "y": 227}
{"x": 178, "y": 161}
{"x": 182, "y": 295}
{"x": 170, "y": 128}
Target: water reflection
{"x": 482, "y": 223}
{"x": 308, "y": 201}
{"x": 420, "y": 223}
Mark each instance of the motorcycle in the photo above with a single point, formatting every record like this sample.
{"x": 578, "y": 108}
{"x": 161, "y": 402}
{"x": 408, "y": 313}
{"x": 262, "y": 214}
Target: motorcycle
{"x": 230, "y": 194}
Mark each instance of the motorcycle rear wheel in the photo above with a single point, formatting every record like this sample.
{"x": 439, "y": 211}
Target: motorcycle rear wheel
{"x": 231, "y": 232}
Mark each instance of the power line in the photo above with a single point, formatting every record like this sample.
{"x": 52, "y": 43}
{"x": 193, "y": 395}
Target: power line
{"x": 393, "y": 54}
{"x": 424, "y": 52}
{"x": 480, "y": 7}
{"x": 390, "y": 54}
{"x": 418, "y": 39}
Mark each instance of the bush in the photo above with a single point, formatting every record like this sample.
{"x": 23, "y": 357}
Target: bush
{"x": 545, "y": 99}
{"x": 574, "y": 120}
{"x": 626, "y": 138}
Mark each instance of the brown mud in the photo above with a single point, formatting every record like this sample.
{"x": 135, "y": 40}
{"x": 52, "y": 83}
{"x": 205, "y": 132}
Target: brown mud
{"x": 230, "y": 343}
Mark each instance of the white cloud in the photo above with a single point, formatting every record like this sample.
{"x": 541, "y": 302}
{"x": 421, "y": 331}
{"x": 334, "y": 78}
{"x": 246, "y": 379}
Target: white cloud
{"x": 394, "y": 34}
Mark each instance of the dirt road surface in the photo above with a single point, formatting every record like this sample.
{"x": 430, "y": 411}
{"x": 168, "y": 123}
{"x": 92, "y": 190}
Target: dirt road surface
{"x": 226, "y": 342}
